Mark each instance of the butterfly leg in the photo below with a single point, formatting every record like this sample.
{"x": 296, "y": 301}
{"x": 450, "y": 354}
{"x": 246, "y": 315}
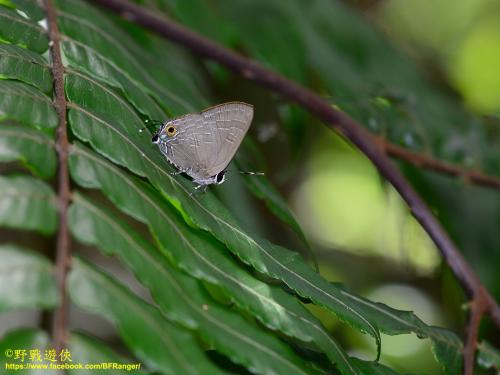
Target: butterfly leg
{"x": 199, "y": 189}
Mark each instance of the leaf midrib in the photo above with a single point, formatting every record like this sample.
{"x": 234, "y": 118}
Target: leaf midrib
{"x": 12, "y": 91}
{"x": 26, "y": 267}
{"x": 16, "y": 194}
{"x": 21, "y": 134}
{"x": 433, "y": 334}
{"x": 24, "y": 58}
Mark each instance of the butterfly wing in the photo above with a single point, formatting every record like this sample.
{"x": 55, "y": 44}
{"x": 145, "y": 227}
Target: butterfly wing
{"x": 182, "y": 150}
{"x": 229, "y": 123}
{"x": 205, "y": 143}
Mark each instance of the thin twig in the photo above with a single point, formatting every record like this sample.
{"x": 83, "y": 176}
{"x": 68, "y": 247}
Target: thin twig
{"x": 428, "y": 162}
{"x": 334, "y": 119}
{"x": 60, "y": 319}
{"x": 476, "y": 311}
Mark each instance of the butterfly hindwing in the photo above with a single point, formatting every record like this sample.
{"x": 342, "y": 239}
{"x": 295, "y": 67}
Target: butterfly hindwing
{"x": 231, "y": 121}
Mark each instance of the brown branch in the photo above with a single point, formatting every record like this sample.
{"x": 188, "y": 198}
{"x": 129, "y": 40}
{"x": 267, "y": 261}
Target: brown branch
{"x": 476, "y": 310}
{"x": 60, "y": 318}
{"x": 334, "y": 119}
{"x": 421, "y": 160}
{"x": 426, "y": 161}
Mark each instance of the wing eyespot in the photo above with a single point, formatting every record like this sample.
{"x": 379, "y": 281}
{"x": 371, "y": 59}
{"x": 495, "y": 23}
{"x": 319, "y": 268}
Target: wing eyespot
{"x": 171, "y": 130}
{"x": 219, "y": 178}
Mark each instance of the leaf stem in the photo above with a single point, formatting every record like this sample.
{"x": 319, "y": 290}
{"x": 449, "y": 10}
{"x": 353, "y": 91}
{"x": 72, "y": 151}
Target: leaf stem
{"x": 369, "y": 144}
{"x": 60, "y": 317}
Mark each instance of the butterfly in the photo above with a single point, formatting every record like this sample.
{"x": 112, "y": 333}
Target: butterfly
{"x": 203, "y": 144}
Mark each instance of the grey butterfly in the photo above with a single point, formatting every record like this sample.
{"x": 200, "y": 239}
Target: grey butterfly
{"x": 203, "y": 144}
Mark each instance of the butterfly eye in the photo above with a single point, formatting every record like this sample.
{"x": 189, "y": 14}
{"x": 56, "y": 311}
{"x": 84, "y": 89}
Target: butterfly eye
{"x": 171, "y": 130}
{"x": 155, "y": 138}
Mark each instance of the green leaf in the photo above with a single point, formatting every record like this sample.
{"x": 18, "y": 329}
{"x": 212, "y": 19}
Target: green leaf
{"x": 26, "y": 105}
{"x": 24, "y": 65}
{"x": 83, "y": 349}
{"x": 30, "y": 7}
{"x": 19, "y": 30}
{"x": 162, "y": 346}
{"x": 373, "y": 368}
{"x": 25, "y": 339}
{"x": 88, "y": 350}
{"x": 201, "y": 16}
{"x": 32, "y": 147}
{"x": 270, "y": 305}
{"x": 27, "y": 203}
{"x": 181, "y": 298}
{"x": 446, "y": 345}
{"x": 82, "y": 56}
{"x": 113, "y": 50}
{"x": 488, "y": 356}
{"x": 123, "y": 144}
{"x": 26, "y": 280}
{"x": 272, "y": 37}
